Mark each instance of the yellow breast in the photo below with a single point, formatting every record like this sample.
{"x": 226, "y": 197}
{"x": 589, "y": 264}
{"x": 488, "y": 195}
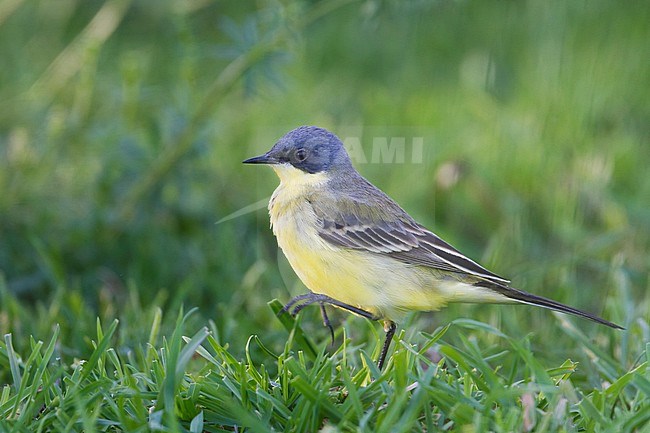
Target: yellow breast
{"x": 322, "y": 267}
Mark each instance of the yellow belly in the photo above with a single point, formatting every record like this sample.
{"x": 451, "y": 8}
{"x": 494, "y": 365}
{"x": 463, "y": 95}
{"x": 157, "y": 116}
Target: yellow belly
{"x": 321, "y": 267}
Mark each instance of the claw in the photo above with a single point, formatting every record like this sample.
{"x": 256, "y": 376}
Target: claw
{"x": 293, "y": 301}
{"x": 326, "y": 321}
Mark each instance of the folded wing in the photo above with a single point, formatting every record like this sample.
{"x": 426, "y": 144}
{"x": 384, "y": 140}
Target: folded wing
{"x": 363, "y": 228}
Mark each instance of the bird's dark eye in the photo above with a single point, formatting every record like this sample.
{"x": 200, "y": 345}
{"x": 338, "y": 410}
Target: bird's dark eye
{"x": 301, "y": 154}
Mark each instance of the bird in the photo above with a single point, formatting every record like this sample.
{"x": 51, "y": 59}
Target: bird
{"x": 355, "y": 248}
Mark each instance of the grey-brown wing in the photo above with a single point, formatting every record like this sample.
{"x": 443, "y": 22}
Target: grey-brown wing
{"x": 402, "y": 239}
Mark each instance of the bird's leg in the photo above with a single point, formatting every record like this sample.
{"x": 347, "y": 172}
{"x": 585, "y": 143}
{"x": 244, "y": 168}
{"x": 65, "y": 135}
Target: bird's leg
{"x": 312, "y": 298}
{"x": 389, "y": 329}
{"x": 296, "y": 304}
{"x": 326, "y": 321}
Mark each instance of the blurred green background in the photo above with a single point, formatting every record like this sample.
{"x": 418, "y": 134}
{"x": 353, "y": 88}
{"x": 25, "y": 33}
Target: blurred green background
{"x": 123, "y": 125}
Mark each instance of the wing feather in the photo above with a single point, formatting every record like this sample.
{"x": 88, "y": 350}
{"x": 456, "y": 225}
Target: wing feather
{"x": 401, "y": 238}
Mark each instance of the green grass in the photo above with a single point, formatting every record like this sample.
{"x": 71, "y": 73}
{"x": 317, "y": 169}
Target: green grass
{"x": 120, "y": 151}
{"x": 430, "y": 384}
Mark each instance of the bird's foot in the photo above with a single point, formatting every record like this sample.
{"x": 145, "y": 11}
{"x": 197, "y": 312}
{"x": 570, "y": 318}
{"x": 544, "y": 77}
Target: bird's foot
{"x": 295, "y": 305}
{"x": 326, "y": 321}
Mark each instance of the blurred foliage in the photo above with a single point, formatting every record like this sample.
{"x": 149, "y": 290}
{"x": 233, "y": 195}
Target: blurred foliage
{"x": 525, "y": 127}
{"x": 123, "y": 124}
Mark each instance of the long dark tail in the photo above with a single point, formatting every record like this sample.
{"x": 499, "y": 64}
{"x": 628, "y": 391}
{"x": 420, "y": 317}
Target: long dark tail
{"x": 529, "y": 298}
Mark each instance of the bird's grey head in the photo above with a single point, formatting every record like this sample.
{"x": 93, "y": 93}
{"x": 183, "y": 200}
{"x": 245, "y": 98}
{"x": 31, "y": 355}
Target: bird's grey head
{"x": 307, "y": 148}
